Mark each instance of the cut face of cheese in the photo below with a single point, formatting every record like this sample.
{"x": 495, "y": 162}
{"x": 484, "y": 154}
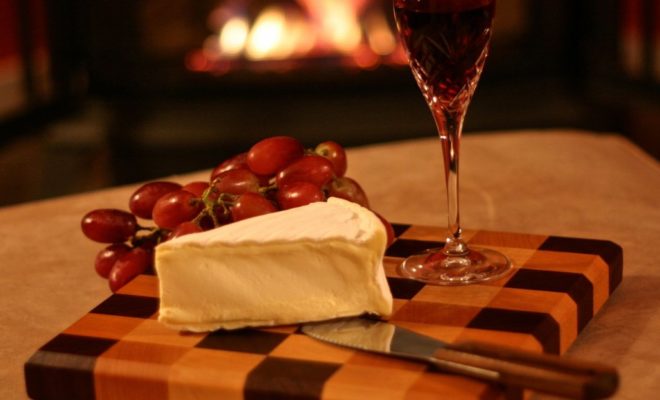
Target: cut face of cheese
{"x": 310, "y": 263}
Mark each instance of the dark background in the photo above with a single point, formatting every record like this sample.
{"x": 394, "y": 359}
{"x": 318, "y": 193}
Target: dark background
{"x": 119, "y": 106}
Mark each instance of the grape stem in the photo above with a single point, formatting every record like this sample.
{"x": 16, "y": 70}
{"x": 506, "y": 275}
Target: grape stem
{"x": 224, "y": 200}
{"x": 266, "y": 189}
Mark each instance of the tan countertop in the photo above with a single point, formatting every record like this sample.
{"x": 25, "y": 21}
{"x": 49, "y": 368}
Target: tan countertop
{"x": 566, "y": 183}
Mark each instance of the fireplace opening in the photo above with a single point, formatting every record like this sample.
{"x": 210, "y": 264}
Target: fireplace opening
{"x": 296, "y": 35}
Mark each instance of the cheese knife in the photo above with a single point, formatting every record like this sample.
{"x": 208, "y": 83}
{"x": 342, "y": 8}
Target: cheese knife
{"x": 512, "y": 367}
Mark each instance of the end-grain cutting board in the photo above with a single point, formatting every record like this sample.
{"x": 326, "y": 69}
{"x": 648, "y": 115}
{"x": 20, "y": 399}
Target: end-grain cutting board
{"x": 119, "y": 351}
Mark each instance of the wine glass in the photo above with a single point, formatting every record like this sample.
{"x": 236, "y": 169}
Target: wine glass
{"x": 447, "y": 42}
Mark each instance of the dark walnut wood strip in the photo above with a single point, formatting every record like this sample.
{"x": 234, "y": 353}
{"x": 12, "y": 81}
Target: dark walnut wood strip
{"x": 399, "y": 229}
{"x": 244, "y": 340}
{"x": 281, "y": 378}
{"x": 402, "y": 288}
{"x": 128, "y": 306}
{"x": 540, "y": 325}
{"x": 64, "y": 368}
{"x": 406, "y": 247}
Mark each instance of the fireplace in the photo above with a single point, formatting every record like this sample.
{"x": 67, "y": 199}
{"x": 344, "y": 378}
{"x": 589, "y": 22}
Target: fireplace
{"x": 205, "y": 78}
{"x": 181, "y": 45}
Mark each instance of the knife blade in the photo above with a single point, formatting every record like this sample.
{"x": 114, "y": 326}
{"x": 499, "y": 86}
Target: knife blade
{"x": 540, "y": 372}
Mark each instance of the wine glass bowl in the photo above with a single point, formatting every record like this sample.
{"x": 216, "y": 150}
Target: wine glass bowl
{"x": 447, "y": 43}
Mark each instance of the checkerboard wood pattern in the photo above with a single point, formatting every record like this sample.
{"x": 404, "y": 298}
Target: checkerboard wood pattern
{"x": 119, "y": 351}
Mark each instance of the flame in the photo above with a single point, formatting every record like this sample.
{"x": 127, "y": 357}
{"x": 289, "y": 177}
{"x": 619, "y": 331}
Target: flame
{"x": 379, "y": 34}
{"x": 233, "y": 37}
{"x": 266, "y": 38}
{"x": 341, "y": 28}
{"x": 278, "y": 33}
{"x": 337, "y": 23}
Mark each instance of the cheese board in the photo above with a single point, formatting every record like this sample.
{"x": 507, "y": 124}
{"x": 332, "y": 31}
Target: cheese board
{"x": 120, "y": 350}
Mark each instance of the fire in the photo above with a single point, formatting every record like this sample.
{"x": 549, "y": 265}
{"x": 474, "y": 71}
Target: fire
{"x": 277, "y": 34}
{"x": 337, "y": 22}
{"x": 233, "y": 36}
{"x": 381, "y": 38}
{"x": 296, "y": 30}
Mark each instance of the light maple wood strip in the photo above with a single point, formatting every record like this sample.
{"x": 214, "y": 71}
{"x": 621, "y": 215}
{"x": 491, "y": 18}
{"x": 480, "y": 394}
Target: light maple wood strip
{"x": 302, "y": 347}
{"x": 103, "y": 326}
{"x": 135, "y": 371}
{"x": 211, "y": 374}
{"x": 468, "y": 295}
{"x": 153, "y": 332}
{"x": 522, "y": 341}
{"x": 430, "y": 386}
{"x": 508, "y": 239}
{"x": 142, "y": 285}
{"x": 353, "y": 381}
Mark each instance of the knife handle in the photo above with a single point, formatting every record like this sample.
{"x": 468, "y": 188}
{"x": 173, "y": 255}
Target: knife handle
{"x": 540, "y": 372}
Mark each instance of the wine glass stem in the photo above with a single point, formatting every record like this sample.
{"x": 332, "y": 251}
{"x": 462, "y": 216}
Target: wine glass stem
{"x": 450, "y": 125}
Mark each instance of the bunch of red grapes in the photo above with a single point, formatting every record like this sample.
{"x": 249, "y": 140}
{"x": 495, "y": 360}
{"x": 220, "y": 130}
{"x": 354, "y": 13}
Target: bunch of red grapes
{"x": 277, "y": 173}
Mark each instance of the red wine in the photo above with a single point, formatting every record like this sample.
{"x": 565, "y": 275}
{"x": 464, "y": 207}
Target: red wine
{"x": 447, "y": 43}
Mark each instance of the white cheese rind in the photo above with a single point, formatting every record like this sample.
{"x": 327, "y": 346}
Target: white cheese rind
{"x": 310, "y": 263}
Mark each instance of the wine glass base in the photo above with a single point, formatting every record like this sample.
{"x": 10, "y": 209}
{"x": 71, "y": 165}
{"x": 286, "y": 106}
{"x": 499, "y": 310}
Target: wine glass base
{"x": 437, "y": 268}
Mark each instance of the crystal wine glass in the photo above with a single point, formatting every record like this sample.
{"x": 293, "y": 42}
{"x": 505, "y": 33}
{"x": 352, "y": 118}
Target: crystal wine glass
{"x": 447, "y": 42}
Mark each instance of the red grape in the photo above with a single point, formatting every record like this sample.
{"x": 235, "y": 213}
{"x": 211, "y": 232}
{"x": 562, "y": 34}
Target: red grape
{"x": 185, "y": 228}
{"x": 143, "y": 199}
{"x": 205, "y": 223}
{"x": 348, "y": 189}
{"x": 128, "y": 266}
{"x": 109, "y": 225}
{"x": 237, "y": 181}
{"x": 334, "y": 152}
{"x": 313, "y": 169}
{"x": 197, "y": 188}
{"x": 250, "y": 205}
{"x": 235, "y": 162}
{"x": 270, "y": 155}
{"x": 107, "y": 257}
{"x": 175, "y": 208}
{"x": 299, "y": 194}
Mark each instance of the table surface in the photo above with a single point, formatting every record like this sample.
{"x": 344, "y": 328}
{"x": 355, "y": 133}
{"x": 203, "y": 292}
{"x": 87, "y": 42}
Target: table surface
{"x": 558, "y": 182}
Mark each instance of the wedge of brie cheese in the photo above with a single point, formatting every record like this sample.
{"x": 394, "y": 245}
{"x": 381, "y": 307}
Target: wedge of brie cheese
{"x": 310, "y": 263}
